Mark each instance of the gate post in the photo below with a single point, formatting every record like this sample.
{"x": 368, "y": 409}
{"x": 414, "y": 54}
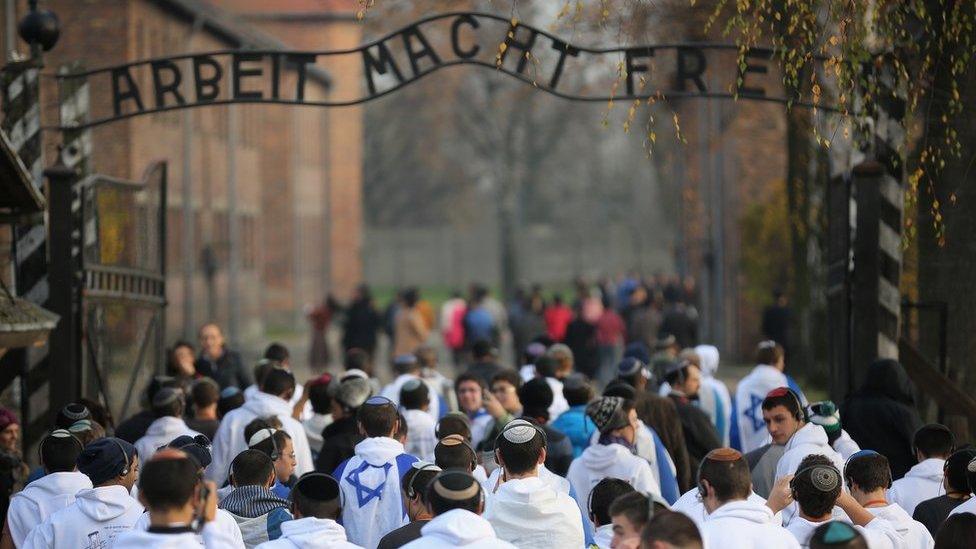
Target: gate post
{"x": 65, "y": 340}
{"x": 839, "y": 285}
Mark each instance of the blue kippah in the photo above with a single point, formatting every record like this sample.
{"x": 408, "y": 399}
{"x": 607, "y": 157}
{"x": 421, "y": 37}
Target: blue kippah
{"x": 379, "y": 401}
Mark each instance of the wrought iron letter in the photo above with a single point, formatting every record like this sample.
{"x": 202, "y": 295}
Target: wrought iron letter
{"x": 759, "y": 69}
{"x": 172, "y": 87}
{"x": 240, "y": 73}
{"x": 630, "y": 56}
{"x": 300, "y": 61}
{"x": 130, "y": 93}
{"x": 525, "y": 47}
{"x": 416, "y": 55}
{"x": 207, "y": 89}
{"x": 456, "y": 36}
{"x": 693, "y": 72}
{"x": 380, "y": 65}
{"x": 564, "y": 49}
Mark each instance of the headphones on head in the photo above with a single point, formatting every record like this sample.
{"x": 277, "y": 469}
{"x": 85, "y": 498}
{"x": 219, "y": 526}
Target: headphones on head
{"x": 59, "y": 433}
{"x": 125, "y": 468}
{"x": 411, "y": 489}
{"x": 256, "y": 439}
{"x": 860, "y": 454}
{"x": 801, "y": 413}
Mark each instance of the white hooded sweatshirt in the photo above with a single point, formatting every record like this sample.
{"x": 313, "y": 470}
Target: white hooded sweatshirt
{"x": 229, "y": 440}
{"x": 458, "y": 528}
{"x": 392, "y": 392}
{"x": 160, "y": 433}
{"x": 370, "y": 484}
{"x": 922, "y": 482}
{"x": 879, "y": 533}
{"x": 645, "y": 447}
{"x": 603, "y": 536}
{"x": 913, "y": 533}
{"x": 691, "y": 505}
{"x": 745, "y": 525}
{"x": 211, "y": 537}
{"x": 223, "y": 521}
{"x": 713, "y": 396}
{"x": 845, "y": 445}
{"x": 307, "y": 412}
{"x": 93, "y": 521}
{"x": 749, "y": 394}
{"x": 808, "y": 440}
{"x": 610, "y": 461}
{"x": 310, "y": 533}
{"x": 41, "y": 499}
{"x": 530, "y": 514}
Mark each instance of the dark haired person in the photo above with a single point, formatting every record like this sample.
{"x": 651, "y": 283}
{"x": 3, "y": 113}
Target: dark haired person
{"x": 97, "y": 515}
{"x": 198, "y": 450}
{"x": 176, "y": 499}
{"x": 339, "y": 439}
{"x": 52, "y": 492}
{"x": 168, "y": 405}
{"x": 204, "y": 395}
{"x": 319, "y": 391}
{"x": 259, "y": 512}
{"x": 669, "y": 530}
{"x": 456, "y": 501}
{"x": 613, "y": 455}
{"x": 601, "y": 497}
{"x": 628, "y": 514}
{"x": 277, "y": 445}
{"x": 370, "y": 479}
{"x": 933, "y": 512}
{"x": 134, "y": 427}
{"x": 882, "y": 415}
{"x": 413, "y": 486}
{"x": 748, "y": 429}
{"x": 536, "y": 398}
{"x": 272, "y": 400}
{"x": 786, "y": 422}
{"x": 684, "y": 377}
{"x": 231, "y": 398}
{"x": 180, "y": 360}
{"x": 574, "y": 422}
{"x": 933, "y": 444}
{"x": 733, "y": 521}
{"x": 525, "y": 510}
{"x": 503, "y": 404}
{"x": 868, "y": 477}
{"x": 470, "y": 391}
{"x": 958, "y": 532}
{"x": 414, "y": 403}
{"x": 316, "y": 506}
{"x": 817, "y": 489}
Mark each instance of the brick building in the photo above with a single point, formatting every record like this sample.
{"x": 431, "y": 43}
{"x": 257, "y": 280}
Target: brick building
{"x": 269, "y": 195}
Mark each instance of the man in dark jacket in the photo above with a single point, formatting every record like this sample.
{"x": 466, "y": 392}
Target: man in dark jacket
{"x": 485, "y": 364}
{"x": 218, "y": 362}
{"x": 536, "y": 397}
{"x": 339, "y": 438}
{"x": 700, "y": 436}
{"x": 882, "y": 416}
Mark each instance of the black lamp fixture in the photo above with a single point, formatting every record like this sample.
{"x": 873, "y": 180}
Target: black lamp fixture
{"x": 39, "y": 28}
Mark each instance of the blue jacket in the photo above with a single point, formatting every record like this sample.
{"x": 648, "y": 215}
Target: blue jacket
{"x": 576, "y": 425}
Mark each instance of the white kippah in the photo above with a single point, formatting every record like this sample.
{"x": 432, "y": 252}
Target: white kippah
{"x": 261, "y": 436}
{"x": 519, "y": 431}
{"x": 972, "y": 466}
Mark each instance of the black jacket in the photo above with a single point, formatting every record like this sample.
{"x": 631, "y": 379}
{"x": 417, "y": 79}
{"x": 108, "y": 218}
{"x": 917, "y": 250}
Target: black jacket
{"x": 135, "y": 427}
{"x": 363, "y": 323}
{"x": 700, "y": 435}
{"x": 339, "y": 440}
{"x": 881, "y": 415}
{"x": 227, "y": 371}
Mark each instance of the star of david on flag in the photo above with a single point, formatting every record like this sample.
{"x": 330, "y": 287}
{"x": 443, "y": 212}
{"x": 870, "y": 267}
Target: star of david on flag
{"x": 754, "y": 412}
{"x": 365, "y": 494}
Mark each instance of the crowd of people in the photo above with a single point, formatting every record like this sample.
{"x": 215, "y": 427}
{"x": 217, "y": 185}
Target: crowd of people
{"x": 652, "y": 451}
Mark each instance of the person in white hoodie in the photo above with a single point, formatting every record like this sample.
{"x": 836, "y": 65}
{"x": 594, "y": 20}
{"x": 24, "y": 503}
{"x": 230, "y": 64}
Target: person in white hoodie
{"x": 182, "y": 508}
{"x": 749, "y": 430}
{"x": 168, "y": 405}
{"x": 370, "y": 480}
{"x": 272, "y": 400}
{"x": 613, "y": 455}
{"x": 409, "y": 368}
{"x": 787, "y": 422}
{"x": 868, "y": 476}
{"x": 100, "y": 514}
{"x": 316, "y": 505}
{"x": 524, "y": 510}
{"x": 817, "y": 488}
{"x": 414, "y": 403}
{"x": 734, "y": 522}
{"x": 52, "y": 492}
{"x": 601, "y": 497}
{"x": 713, "y": 396}
{"x": 933, "y": 444}
{"x": 456, "y": 501}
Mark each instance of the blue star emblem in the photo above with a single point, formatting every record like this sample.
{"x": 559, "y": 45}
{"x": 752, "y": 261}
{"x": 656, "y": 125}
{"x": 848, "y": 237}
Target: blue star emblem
{"x": 754, "y": 412}
{"x": 365, "y": 494}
